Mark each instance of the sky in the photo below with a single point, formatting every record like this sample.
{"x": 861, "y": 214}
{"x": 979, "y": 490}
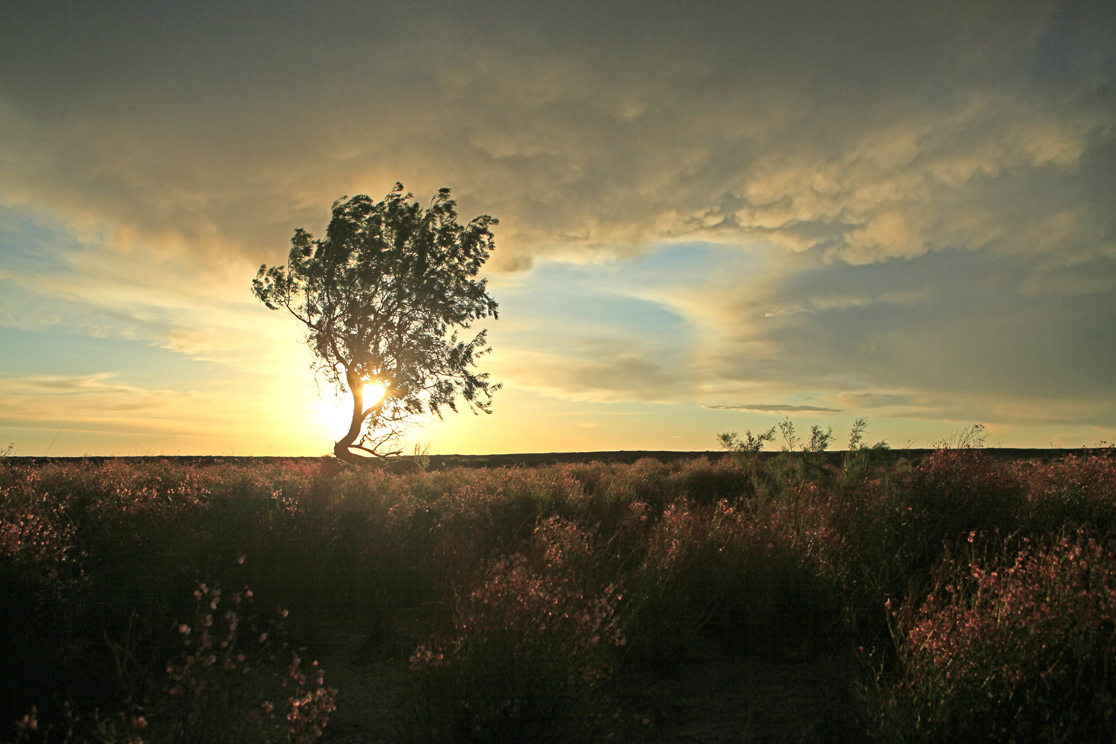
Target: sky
{"x": 714, "y": 216}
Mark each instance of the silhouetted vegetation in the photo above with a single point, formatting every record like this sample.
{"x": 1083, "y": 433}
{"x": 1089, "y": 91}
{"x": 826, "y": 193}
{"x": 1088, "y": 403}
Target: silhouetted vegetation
{"x": 959, "y": 597}
{"x": 382, "y": 299}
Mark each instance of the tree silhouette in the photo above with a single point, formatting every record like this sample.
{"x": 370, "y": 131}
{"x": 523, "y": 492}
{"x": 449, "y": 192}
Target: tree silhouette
{"x": 383, "y": 297}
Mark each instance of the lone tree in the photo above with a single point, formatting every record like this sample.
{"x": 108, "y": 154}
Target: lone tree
{"x": 383, "y": 297}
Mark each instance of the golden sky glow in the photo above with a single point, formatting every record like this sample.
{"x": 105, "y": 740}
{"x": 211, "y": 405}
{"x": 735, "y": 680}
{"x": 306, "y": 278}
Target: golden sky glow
{"x": 712, "y": 215}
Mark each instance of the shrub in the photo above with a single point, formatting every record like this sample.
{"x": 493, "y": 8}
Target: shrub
{"x": 1076, "y": 490}
{"x": 741, "y": 574}
{"x": 529, "y": 650}
{"x": 1018, "y": 649}
{"x": 946, "y": 496}
{"x": 227, "y": 669}
{"x": 705, "y": 482}
{"x": 733, "y": 551}
{"x": 221, "y": 688}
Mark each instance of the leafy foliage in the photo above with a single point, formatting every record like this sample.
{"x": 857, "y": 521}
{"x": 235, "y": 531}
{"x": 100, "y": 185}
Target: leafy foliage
{"x": 749, "y": 444}
{"x": 383, "y": 297}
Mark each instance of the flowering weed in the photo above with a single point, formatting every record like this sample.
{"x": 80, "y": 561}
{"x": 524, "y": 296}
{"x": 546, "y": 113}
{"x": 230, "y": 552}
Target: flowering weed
{"x": 532, "y": 594}
{"x": 528, "y": 650}
{"x": 1015, "y": 649}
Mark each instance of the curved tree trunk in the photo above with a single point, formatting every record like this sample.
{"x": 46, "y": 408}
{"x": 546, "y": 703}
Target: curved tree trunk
{"x": 342, "y": 449}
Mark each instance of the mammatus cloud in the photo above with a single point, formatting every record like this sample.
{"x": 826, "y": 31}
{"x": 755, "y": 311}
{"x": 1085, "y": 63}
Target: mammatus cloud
{"x": 906, "y": 187}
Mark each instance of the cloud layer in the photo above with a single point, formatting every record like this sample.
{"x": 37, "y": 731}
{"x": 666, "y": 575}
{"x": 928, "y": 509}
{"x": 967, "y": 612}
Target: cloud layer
{"x": 854, "y": 129}
{"x": 896, "y": 209}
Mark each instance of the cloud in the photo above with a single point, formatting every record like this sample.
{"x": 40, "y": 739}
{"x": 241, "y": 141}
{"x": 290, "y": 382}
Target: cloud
{"x": 950, "y": 332}
{"x": 914, "y": 200}
{"x": 836, "y": 301}
{"x": 59, "y": 282}
{"x": 97, "y": 403}
{"x": 973, "y": 343}
{"x": 620, "y": 376}
{"x": 875, "y": 400}
{"x": 113, "y": 414}
{"x": 774, "y": 408}
{"x": 583, "y": 128}
{"x": 1072, "y": 278}
{"x": 906, "y": 185}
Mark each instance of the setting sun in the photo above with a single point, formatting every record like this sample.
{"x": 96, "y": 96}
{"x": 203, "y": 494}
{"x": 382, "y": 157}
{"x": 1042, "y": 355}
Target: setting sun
{"x": 373, "y": 393}
{"x": 336, "y": 413}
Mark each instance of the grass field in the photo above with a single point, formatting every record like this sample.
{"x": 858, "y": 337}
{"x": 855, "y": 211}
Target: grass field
{"x": 956, "y": 597}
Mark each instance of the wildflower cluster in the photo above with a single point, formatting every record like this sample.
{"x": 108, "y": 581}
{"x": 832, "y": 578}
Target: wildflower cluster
{"x": 227, "y": 666}
{"x": 37, "y": 543}
{"x": 214, "y": 661}
{"x": 310, "y": 703}
{"x": 1078, "y": 489}
{"x": 1018, "y": 649}
{"x": 37, "y": 534}
{"x": 530, "y": 638}
{"x": 124, "y": 728}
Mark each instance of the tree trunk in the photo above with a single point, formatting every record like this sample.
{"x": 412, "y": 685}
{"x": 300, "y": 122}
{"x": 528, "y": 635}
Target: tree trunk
{"x": 342, "y": 448}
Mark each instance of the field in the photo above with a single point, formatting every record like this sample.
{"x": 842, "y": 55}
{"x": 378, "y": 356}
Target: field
{"x": 952, "y": 597}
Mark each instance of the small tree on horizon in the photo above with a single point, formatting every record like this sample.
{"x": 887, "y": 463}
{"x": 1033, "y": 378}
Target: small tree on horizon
{"x": 382, "y": 298}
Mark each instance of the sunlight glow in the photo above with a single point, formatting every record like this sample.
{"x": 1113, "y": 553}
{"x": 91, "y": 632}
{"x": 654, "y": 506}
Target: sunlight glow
{"x": 335, "y": 414}
{"x": 373, "y": 392}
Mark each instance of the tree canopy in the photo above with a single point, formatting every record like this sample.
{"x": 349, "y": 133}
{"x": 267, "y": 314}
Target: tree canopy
{"x": 383, "y": 298}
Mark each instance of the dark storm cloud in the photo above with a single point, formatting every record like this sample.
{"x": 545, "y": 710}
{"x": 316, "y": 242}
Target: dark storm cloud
{"x": 971, "y": 327}
{"x": 850, "y": 128}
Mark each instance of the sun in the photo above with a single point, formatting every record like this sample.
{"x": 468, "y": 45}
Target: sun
{"x": 336, "y": 414}
{"x": 373, "y": 393}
